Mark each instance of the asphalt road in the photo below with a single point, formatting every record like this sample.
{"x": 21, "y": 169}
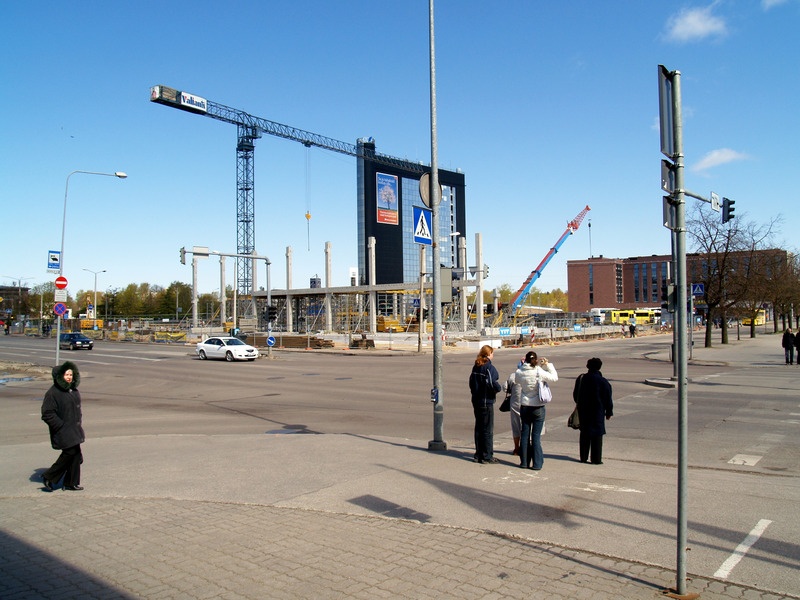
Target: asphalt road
{"x": 744, "y": 448}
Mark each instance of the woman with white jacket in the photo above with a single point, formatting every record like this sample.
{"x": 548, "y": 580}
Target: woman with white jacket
{"x": 532, "y": 411}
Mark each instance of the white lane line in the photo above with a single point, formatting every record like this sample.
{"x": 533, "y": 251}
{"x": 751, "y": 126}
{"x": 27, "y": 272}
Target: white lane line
{"x": 742, "y": 549}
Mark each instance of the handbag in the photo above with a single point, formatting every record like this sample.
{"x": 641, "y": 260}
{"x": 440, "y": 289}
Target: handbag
{"x": 545, "y": 395}
{"x": 574, "y": 420}
{"x": 506, "y": 405}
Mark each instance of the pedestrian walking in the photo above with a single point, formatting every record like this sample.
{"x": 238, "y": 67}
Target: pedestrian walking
{"x": 788, "y": 344}
{"x": 528, "y": 379}
{"x": 592, "y": 394}
{"x": 61, "y": 410}
{"x": 484, "y": 383}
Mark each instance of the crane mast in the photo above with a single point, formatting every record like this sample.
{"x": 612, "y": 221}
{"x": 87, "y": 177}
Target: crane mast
{"x": 249, "y": 128}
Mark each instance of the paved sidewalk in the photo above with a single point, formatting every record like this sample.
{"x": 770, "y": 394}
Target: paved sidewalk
{"x": 246, "y": 516}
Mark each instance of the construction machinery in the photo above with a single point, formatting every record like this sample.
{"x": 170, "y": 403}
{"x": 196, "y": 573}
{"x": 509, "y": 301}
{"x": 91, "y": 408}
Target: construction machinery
{"x": 249, "y": 129}
{"x": 509, "y": 312}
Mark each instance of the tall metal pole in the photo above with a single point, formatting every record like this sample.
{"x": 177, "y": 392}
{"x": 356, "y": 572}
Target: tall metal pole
{"x": 94, "y": 310}
{"x": 118, "y": 174}
{"x": 681, "y": 336}
{"x": 437, "y": 443}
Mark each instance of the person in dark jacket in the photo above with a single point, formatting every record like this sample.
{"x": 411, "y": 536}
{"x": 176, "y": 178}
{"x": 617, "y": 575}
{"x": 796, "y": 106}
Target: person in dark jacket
{"x": 484, "y": 383}
{"x": 61, "y": 410}
{"x": 592, "y": 394}
{"x": 788, "y": 343}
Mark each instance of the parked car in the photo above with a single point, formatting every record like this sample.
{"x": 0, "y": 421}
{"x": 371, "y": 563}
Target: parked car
{"x": 73, "y": 341}
{"x": 228, "y": 348}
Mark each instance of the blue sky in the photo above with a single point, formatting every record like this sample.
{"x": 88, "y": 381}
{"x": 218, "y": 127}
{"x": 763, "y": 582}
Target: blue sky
{"x": 545, "y": 106}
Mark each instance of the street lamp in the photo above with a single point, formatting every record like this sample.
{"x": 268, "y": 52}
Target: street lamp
{"x": 94, "y": 306}
{"x": 118, "y": 174}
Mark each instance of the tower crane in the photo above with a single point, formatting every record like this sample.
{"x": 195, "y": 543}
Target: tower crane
{"x": 522, "y": 293}
{"x": 249, "y": 129}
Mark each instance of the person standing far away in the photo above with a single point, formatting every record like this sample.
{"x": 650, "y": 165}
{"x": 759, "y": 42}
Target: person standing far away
{"x": 484, "y": 383}
{"x": 531, "y": 410}
{"x": 592, "y": 394}
{"x": 788, "y": 343}
{"x": 61, "y": 410}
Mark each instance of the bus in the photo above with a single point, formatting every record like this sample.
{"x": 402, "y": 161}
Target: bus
{"x": 642, "y": 316}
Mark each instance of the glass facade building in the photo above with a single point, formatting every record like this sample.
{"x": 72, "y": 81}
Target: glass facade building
{"x": 387, "y": 195}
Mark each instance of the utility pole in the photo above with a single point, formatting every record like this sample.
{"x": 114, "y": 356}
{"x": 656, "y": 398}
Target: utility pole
{"x": 672, "y": 147}
{"x": 437, "y": 394}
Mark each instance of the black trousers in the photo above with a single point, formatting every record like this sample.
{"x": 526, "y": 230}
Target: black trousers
{"x": 68, "y": 466}
{"x": 484, "y": 430}
{"x": 591, "y": 444}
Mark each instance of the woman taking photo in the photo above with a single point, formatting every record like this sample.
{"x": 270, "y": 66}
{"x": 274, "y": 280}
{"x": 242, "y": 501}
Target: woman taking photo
{"x": 533, "y": 371}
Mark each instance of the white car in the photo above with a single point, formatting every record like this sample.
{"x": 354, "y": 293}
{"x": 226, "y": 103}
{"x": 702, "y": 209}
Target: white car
{"x": 228, "y": 348}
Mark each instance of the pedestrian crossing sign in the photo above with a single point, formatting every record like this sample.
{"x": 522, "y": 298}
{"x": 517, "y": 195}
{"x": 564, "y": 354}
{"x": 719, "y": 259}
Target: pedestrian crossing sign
{"x": 422, "y": 226}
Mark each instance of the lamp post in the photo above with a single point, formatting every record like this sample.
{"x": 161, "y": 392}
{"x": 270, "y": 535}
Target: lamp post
{"x": 94, "y": 306}
{"x": 118, "y": 174}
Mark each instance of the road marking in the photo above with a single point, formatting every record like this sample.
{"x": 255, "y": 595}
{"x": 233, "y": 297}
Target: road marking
{"x": 742, "y": 549}
{"x": 746, "y": 460}
{"x": 516, "y": 476}
{"x": 595, "y": 487}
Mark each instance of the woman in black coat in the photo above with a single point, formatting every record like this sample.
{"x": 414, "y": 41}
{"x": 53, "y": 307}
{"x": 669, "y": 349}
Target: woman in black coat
{"x": 484, "y": 383}
{"x": 592, "y": 394}
{"x": 61, "y": 410}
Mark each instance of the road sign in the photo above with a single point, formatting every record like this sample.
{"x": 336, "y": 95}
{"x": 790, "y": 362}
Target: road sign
{"x": 270, "y": 341}
{"x": 53, "y": 261}
{"x": 60, "y": 308}
{"x": 425, "y": 189}
{"x": 698, "y": 289}
{"x": 666, "y": 110}
{"x": 61, "y": 282}
{"x": 60, "y": 295}
{"x": 715, "y": 201}
{"x": 422, "y": 226}
{"x": 667, "y": 176}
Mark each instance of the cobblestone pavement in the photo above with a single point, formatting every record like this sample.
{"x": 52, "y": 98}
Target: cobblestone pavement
{"x": 69, "y": 546}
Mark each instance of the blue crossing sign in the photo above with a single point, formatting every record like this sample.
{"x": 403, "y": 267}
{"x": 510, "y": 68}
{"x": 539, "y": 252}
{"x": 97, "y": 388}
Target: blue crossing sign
{"x": 422, "y": 226}
{"x": 698, "y": 289}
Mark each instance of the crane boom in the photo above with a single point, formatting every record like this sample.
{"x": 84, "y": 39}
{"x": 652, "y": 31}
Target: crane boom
{"x": 523, "y": 291}
{"x": 307, "y": 138}
{"x": 249, "y": 129}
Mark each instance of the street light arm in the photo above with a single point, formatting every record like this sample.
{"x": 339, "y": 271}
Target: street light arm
{"x": 119, "y": 175}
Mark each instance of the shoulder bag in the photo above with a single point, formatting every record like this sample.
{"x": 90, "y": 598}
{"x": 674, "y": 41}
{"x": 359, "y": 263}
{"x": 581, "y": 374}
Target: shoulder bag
{"x": 545, "y": 395}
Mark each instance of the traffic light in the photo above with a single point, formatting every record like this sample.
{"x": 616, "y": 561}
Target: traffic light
{"x": 727, "y": 210}
{"x": 183, "y": 255}
{"x": 668, "y": 298}
{"x": 272, "y": 313}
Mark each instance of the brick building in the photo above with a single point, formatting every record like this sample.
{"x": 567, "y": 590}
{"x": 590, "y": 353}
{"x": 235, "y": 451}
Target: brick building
{"x": 636, "y": 282}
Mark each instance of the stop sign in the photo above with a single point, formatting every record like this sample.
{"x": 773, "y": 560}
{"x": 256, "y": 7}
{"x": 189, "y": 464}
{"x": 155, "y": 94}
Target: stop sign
{"x": 61, "y": 282}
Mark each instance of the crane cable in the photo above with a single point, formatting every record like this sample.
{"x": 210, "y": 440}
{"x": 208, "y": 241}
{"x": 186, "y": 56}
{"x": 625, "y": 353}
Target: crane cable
{"x": 308, "y": 197}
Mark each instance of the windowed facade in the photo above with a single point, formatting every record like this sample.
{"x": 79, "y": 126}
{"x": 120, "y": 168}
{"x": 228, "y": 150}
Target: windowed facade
{"x": 387, "y": 195}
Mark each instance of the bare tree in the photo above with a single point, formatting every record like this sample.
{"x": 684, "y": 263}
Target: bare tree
{"x": 728, "y": 255}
